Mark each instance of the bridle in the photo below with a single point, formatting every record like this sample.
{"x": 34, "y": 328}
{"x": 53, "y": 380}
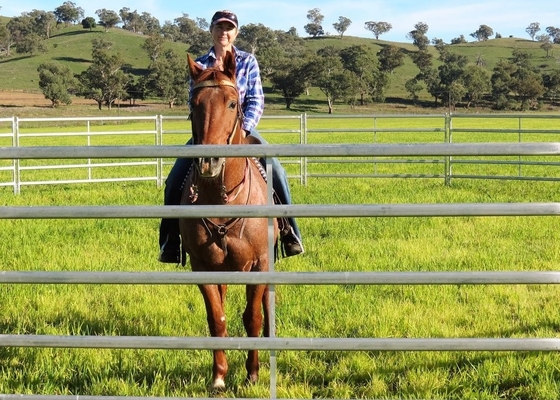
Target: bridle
{"x": 222, "y": 229}
{"x": 223, "y": 82}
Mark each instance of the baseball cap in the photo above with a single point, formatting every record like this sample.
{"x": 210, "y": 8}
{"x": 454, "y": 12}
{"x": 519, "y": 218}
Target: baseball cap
{"x": 224, "y": 16}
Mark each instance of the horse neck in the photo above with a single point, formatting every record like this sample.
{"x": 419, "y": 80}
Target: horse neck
{"x": 235, "y": 178}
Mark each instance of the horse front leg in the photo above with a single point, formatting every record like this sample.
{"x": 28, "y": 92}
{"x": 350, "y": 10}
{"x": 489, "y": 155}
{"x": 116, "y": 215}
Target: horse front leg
{"x": 214, "y": 298}
{"x": 252, "y": 320}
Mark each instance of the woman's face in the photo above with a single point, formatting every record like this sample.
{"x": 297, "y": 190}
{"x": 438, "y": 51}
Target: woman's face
{"x": 224, "y": 34}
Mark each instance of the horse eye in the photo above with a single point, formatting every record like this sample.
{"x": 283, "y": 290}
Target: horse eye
{"x": 232, "y": 105}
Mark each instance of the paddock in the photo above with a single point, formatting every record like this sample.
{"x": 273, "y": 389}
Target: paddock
{"x": 394, "y": 129}
{"x": 273, "y": 278}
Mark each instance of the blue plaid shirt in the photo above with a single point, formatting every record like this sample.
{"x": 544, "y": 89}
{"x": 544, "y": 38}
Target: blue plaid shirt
{"x": 249, "y": 84}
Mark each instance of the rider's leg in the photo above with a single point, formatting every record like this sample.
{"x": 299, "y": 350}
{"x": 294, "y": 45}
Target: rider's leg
{"x": 169, "y": 239}
{"x": 291, "y": 236}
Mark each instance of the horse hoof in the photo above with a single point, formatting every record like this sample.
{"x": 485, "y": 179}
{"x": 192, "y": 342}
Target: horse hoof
{"x": 252, "y": 379}
{"x": 218, "y": 385}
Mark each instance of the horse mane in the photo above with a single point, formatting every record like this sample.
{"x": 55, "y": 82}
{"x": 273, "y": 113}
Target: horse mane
{"x": 213, "y": 73}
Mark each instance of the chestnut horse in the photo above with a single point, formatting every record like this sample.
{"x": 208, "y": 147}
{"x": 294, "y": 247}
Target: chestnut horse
{"x": 224, "y": 244}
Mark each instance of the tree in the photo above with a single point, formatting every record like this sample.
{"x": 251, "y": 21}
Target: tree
{"x": 252, "y": 37}
{"x": 43, "y": 22}
{"x": 367, "y": 76}
{"x": 455, "y": 93}
{"x": 169, "y": 78}
{"x": 330, "y": 77}
{"x": 545, "y": 43}
{"x": 31, "y": 44}
{"x": 6, "y": 41}
{"x": 150, "y": 24}
{"x": 517, "y": 80}
{"x": 476, "y": 82}
{"x": 89, "y": 23}
{"x": 20, "y": 27}
{"x": 483, "y": 33}
{"x": 378, "y": 28}
{"x": 153, "y": 46}
{"x": 554, "y": 34}
{"x": 68, "y": 13}
{"x": 529, "y": 87}
{"x": 532, "y": 29}
{"x": 502, "y": 84}
{"x": 552, "y": 84}
{"x": 281, "y": 49}
{"x": 187, "y": 30}
{"x": 390, "y": 57}
{"x": 423, "y": 59}
{"x": 314, "y": 27}
{"x": 459, "y": 40}
{"x": 289, "y": 79}
{"x": 418, "y": 36}
{"x": 56, "y": 81}
{"x": 413, "y": 87}
{"x": 342, "y": 25}
{"x": 108, "y": 18}
{"x": 104, "y": 81}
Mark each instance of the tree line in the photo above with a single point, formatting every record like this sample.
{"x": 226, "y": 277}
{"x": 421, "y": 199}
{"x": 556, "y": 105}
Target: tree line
{"x": 355, "y": 74}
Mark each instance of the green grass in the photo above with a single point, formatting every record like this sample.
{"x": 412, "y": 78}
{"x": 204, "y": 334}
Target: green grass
{"x": 332, "y": 244}
{"x": 346, "y": 244}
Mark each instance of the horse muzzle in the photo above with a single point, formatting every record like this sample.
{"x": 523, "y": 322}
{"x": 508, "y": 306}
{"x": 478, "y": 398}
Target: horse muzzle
{"x": 210, "y": 167}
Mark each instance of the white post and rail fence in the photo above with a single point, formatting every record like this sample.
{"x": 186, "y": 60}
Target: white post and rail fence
{"x": 397, "y": 129}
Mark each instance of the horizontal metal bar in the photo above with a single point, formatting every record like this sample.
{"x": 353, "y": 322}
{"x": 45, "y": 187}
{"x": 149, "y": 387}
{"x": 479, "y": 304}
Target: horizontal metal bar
{"x": 279, "y": 343}
{"x": 92, "y": 180}
{"x": 506, "y": 116}
{"x": 282, "y": 278}
{"x": 91, "y": 165}
{"x": 58, "y": 119}
{"x": 503, "y": 130}
{"x": 292, "y": 150}
{"x": 377, "y": 130}
{"x": 377, "y": 116}
{"x": 93, "y": 133}
{"x": 325, "y": 210}
{"x": 507, "y": 177}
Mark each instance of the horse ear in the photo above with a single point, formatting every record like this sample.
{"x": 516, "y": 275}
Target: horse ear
{"x": 229, "y": 65}
{"x": 194, "y": 68}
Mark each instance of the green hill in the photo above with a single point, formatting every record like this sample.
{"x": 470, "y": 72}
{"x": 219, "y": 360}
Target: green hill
{"x": 72, "y": 46}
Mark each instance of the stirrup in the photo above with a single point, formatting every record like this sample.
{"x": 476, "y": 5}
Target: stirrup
{"x": 291, "y": 244}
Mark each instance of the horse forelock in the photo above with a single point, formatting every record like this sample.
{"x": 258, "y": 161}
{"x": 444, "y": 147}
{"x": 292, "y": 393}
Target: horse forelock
{"x": 212, "y": 74}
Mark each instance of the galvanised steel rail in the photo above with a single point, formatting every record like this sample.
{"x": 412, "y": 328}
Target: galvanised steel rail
{"x": 272, "y": 278}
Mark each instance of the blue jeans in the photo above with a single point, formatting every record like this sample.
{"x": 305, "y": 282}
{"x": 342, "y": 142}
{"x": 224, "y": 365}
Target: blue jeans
{"x": 169, "y": 228}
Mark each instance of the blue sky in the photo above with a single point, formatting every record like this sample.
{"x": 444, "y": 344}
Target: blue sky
{"x": 446, "y": 19}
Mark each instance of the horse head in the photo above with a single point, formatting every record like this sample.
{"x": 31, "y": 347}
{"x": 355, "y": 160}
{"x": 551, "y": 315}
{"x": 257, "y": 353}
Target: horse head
{"x": 215, "y": 111}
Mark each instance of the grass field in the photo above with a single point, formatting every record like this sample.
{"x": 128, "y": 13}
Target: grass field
{"x": 341, "y": 244}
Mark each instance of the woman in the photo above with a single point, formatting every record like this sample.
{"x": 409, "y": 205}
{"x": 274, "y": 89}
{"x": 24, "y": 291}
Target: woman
{"x": 224, "y": 30}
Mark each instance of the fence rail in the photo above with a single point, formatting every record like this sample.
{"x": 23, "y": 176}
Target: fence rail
{"x": 301, "y": 129}
{"x": 272, "y": 278}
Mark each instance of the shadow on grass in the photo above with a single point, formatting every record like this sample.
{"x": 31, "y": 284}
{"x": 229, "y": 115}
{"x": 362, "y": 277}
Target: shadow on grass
{"x": 72, "y": 59}
{"x": 14, "y": 59}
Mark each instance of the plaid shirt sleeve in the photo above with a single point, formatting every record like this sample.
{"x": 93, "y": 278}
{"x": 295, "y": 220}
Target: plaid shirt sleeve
{"x": 250, "y": 89}
{"x": 249, "y": 85}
